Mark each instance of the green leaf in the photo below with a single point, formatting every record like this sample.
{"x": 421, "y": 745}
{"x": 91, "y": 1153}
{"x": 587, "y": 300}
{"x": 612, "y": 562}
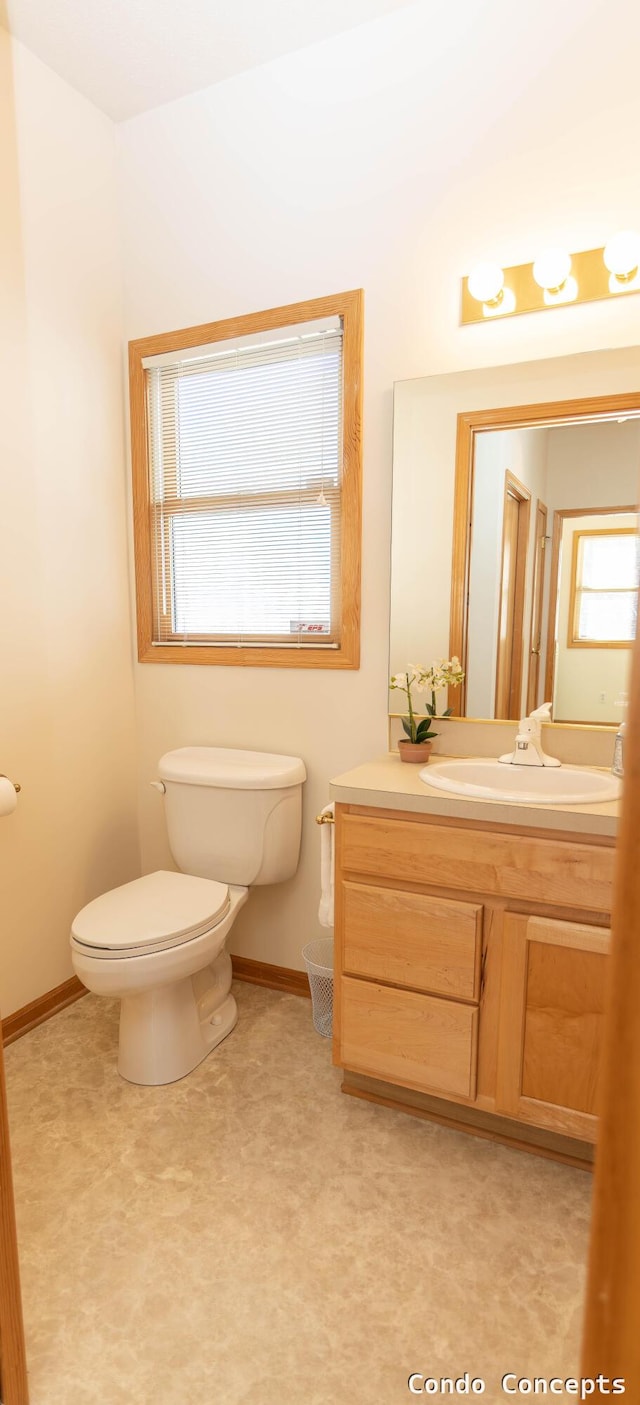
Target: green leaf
{"x": 448, "y": 712}
{"x": 407, "y": 727}
{"x": 423, "y": 734}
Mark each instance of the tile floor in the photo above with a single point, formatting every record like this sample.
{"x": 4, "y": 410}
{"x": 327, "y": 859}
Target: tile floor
{"x": 251, "y": 1235}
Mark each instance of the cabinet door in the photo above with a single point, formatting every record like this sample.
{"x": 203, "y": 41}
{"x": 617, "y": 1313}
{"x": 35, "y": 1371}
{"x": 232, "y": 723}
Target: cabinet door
{"x": 551, "y": 1014}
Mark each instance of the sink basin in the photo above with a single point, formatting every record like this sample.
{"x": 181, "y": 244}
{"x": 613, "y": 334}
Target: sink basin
{"x": 522, "y": 785}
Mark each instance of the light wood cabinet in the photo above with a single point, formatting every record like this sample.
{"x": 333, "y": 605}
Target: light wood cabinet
{"x": 471, "y": 965}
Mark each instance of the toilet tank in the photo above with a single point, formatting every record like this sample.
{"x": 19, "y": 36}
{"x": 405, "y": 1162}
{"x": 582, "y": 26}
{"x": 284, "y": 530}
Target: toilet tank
{"x": 235, "y": 816}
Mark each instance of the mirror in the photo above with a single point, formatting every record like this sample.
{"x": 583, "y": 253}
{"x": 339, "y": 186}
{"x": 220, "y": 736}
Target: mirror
{"x": 532, "y": 471}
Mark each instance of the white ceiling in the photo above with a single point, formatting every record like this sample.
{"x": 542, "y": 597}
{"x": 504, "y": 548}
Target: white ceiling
{"x": 130, "y": 55}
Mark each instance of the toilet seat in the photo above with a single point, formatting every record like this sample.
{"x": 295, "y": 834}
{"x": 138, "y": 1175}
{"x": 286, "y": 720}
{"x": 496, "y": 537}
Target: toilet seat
{"x": 152, "y": 913}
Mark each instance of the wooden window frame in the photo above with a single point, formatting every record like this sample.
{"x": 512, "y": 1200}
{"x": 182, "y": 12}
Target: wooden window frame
{"x": 576, "y": 590}
{"x": 349, "y": 307}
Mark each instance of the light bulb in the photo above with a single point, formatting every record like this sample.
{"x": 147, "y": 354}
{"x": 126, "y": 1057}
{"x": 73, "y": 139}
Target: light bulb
{"x": 485, "y": 283}
{"x": 552, "y": 268}
{"x": 622, "y": 255}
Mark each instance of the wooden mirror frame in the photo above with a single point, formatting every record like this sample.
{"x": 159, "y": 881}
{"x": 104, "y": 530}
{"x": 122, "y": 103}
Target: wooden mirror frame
{"x": 549, "y": 413}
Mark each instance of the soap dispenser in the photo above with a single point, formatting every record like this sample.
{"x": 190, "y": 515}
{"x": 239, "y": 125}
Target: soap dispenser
{"x": 618, "y": 750}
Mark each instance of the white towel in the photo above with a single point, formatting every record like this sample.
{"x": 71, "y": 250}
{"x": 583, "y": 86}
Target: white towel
{"x": 327, "y": 869}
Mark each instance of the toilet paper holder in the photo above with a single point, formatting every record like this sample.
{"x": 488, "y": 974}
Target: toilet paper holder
{"x": 16, "y": 784}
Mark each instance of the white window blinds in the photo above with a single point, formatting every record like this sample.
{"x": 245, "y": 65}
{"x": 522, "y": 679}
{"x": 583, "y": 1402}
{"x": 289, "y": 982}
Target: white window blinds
{"x": 245, "y": 466}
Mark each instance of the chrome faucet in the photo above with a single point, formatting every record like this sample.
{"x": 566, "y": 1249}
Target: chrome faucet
{"x": 528, "y": 750}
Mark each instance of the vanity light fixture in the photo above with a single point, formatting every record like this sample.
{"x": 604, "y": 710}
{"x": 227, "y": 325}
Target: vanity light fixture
{"x": 555, "y": 278}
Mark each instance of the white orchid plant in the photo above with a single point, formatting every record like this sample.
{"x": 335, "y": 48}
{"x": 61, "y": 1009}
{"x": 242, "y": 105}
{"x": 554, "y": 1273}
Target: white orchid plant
{"x": 443, "y": 673}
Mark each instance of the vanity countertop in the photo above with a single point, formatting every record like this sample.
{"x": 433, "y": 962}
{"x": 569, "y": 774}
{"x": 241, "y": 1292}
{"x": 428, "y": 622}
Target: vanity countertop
{"x": 390, "y": 784}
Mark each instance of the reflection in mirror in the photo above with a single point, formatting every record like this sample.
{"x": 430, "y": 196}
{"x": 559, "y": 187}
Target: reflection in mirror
{"x": 537, "y": 466}
{"x": 553, "y": 570}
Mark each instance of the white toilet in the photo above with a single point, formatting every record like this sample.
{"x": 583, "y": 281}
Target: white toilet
{"x": 157, "y": 944}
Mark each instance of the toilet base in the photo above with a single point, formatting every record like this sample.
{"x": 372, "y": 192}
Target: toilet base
{"x": 167, "y": 1032}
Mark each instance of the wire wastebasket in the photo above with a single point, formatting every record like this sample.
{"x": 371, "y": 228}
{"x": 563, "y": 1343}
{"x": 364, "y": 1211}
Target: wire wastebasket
{"x": 318, "y": 958}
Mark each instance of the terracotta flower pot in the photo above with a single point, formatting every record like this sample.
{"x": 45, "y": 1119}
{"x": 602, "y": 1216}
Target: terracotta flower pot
{"x": 414, "y": 751}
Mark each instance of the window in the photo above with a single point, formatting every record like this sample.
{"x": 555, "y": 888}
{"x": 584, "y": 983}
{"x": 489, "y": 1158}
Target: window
{"x": 246, "y": 477}
{"x": 604, "y": 603}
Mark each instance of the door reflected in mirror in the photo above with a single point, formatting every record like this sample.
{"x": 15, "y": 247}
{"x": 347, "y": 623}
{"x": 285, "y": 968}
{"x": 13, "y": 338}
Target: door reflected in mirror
{"x": 537, "y": 466}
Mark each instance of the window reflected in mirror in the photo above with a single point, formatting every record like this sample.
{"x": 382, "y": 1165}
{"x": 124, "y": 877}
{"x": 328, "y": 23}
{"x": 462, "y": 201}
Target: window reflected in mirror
{"x": 604, "y": 585}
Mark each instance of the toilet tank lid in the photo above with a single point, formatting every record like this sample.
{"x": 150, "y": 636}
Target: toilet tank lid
{"x": 231, "y": 770}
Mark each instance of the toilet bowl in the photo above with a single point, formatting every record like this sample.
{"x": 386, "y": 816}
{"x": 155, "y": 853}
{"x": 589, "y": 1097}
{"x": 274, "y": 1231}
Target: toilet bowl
{"x": 157, "y": 943}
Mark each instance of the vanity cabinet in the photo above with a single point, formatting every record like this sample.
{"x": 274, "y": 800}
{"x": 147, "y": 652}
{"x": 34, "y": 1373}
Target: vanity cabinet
{"x": 470, "y": 973}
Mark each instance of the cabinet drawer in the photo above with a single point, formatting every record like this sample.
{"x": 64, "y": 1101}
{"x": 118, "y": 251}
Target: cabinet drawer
{"x": 431, "y": 944}
{"x": 546, "y": 871}
{"x": 417, "y": 1041}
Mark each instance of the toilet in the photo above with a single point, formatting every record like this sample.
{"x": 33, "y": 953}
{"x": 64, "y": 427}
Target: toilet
{"x": 158, "y": 944}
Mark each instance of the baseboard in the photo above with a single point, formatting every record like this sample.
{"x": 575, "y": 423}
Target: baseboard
{"x": 256, "y": 972}
{"x": 274, "y": 977}
{"x": 30, "y": 1016}
{"x": 477, "y": 1121}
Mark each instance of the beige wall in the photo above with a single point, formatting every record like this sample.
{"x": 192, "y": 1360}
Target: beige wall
{"x": 382, "y": 159}
{"x": 66, "y": 701}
